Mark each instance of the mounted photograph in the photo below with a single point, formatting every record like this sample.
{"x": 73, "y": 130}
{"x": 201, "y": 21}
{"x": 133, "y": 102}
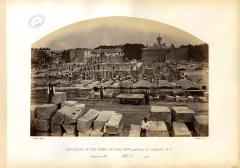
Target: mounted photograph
{"x": 119, "y": 77}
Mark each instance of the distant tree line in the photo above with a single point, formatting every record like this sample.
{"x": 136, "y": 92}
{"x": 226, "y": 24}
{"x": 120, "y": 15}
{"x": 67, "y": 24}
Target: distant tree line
{"x": 197, "y": 53}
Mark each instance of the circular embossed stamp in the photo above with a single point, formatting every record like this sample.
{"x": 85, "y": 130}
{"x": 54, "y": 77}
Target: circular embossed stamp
{"x": 36, "y": 21}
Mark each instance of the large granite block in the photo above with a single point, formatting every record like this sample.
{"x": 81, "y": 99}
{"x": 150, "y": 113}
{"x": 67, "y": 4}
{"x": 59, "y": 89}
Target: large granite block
{"x": 58, "y": 117}
{"x": 41, "y": 125}
{"x": 102, "y": 118}
{"x": 135, "y": 130}
{"x": 59, "y": 97}
{"x": 71, "y": 115}
{"x": 180, "y": 130}
{"x": 81, "y": 107}
{"x": 201, "y": 124}
{"x": 160, "y": 113}
{"x": 85, "y": 122}
{"x": 182, "y": 114}
{"x": 157, "y": 129}
{"x": 55, "y": 127}
{"x": 46, "y": 111}
{"x": 114, "y": 125}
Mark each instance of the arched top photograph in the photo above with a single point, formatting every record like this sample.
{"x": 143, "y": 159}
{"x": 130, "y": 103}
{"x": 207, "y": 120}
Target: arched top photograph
{"x": 119, "y": 76}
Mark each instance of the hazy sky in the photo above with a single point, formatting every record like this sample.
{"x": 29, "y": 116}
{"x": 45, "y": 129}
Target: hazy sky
{"x": 113, "y": 31}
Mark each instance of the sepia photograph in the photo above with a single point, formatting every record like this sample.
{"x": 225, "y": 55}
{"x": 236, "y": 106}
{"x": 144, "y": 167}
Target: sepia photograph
{"x": 119, "y": 77}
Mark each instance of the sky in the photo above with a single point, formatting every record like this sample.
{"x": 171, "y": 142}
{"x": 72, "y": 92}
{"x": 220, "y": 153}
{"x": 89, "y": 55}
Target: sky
{"x": 114, "y": 31}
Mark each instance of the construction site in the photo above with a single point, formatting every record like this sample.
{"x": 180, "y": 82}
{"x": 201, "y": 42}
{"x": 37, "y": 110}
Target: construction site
{"x": 100, "y": 93}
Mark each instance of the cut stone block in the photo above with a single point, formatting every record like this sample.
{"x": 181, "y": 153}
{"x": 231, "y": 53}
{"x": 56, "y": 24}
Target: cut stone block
{"x": 182, "y": 114}
{"x": 41, "y": 125}
{"x": 86, "y": 121}
{"x": 80, "y": 107}
{"x": 69, "y": 103}
{"x": 180, "y": 130}
{"x": 102, "y": 118}
{"x": 46, "y": 111}
{"x": 203, "y": 99}
{"x": 85, "y": 134}
{"x": 135, "y": 130}
{"x": 95, "y": 133}
{"x": 183, "y": 99}
{"x": 114, "y": 125}
{"x": 157, "y": 129}
{"x": 58, "y": 118}
{"x": 55, "y": 127}
{"x": 170, "y": 98}
{"x": 71, "y": 115}
{"x": 160, "y": 113}
{"x": 65, "y": 134}
{"x": 70, "y": 129}
{"x": 38, "y": 133}
{"x": 190, "y": 98}
{"x": 178, "y": 98}
{"x": 201, "y": 124}
{"x": 59, "y": 97}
